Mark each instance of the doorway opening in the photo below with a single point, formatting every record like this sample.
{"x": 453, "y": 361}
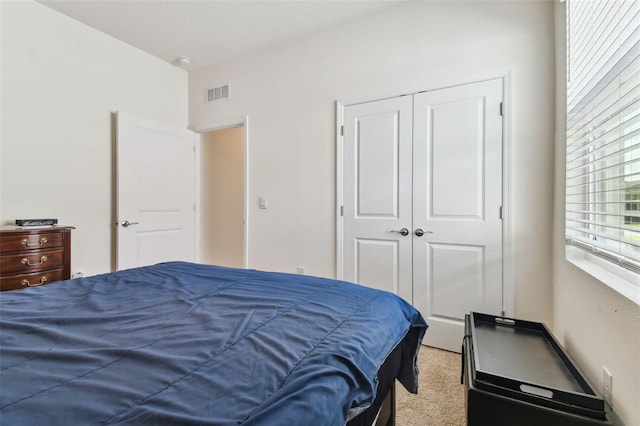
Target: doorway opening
{"x": 221, "y": 208}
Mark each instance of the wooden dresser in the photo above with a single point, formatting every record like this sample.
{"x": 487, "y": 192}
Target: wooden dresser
{"x": 31, "y": 257}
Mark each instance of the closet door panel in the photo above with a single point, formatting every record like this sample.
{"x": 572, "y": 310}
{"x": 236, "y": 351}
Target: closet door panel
{"x": 456, "y": 160}
{"x": 377, "y": 195}
{"x": 369, "y": 269}
{"x": 457, "y": 181}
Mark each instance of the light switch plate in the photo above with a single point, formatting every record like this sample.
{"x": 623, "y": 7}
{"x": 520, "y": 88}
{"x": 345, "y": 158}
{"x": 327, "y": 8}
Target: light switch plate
{"x": 262, "y": 202}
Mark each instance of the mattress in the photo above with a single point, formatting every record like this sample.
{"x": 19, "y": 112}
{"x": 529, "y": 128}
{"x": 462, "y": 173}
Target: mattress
{"x": 182, "y": 343}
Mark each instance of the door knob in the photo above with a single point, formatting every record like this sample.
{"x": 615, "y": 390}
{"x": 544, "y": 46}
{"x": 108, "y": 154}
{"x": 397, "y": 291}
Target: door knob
{"x": 126, "y": 223}
{"x": 404, "y": 231}
{"x": 420, "y": 232}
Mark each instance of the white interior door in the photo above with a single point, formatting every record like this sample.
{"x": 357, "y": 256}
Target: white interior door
{"x": 457, "y": 199}
{"x": 377, "y": 194}
{"x": 430, "y": 163}
{"x": 155, "y": 193}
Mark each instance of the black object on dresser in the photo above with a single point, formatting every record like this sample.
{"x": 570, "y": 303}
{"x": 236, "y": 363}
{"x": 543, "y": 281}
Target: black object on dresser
{"x": 31, "y": 257}
{"x": 36, "y": 222}
{"x": 516, "y": 373}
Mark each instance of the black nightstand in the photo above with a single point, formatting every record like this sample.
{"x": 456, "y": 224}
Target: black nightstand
{"x": 516, "y": 373}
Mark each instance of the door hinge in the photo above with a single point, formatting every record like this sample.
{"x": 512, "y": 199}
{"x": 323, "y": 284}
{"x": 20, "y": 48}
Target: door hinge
{"x": 500, "y": 212}
{"x": 503, "y": 313}
{"x": 501, "y": 108}
{"x": 341, "y": 130}
{"x": 341, "y": 210}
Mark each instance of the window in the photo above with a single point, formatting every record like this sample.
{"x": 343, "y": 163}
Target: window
{"x": 603, "y": 133}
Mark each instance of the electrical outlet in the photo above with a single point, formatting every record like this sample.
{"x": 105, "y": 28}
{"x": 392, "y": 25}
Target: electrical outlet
{"x": 300, "y": 270}
{"x": 607, "y": 382}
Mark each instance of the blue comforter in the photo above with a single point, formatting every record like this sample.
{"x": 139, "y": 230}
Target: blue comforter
{"x": 180, "y": 343}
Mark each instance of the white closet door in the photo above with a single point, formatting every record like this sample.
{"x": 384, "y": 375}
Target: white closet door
{"x": 430, "y": 163}
{"x": 457, "y": 172}
{"x": 377, "y": 195}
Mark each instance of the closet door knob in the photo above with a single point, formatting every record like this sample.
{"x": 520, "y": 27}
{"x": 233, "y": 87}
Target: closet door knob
{"x": 404, "y": 231}
{"x": 420, "y": 232}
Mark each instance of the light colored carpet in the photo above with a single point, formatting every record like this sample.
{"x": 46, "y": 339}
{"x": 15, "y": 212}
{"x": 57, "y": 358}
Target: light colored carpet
{"x": 440, "y": 398}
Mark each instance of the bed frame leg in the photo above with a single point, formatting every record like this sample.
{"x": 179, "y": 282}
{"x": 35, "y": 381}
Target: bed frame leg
{"x": 392, "y": 396}
{"x": 387, "y": 415}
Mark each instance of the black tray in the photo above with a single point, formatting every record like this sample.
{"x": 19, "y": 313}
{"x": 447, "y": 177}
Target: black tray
{"x": 522, "y": 360}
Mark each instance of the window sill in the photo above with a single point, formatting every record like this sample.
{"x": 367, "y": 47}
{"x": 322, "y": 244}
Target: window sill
{"x": 623, "y": 281}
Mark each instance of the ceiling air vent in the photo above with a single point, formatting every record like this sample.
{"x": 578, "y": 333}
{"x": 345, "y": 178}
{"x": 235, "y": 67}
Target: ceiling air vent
{"x": 217, "y": 93}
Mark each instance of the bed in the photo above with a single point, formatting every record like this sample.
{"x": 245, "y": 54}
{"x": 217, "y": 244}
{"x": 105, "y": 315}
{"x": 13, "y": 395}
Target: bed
{"x": 183, "y": 343}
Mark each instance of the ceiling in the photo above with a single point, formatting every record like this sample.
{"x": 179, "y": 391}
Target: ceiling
{"x": 211, "y": 31}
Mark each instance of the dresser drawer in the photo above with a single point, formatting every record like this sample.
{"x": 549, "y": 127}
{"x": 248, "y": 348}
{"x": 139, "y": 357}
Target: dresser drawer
{"x": 13, "y": 243}
{"x": 16, "y": 282}
{"x": 30, "y": 262}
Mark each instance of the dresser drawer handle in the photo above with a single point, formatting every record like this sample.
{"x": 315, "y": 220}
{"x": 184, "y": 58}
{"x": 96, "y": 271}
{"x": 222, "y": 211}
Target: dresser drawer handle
{"x": 42, "y": 260}
{"x": 26, "y": 283}
{"x": 27, "y": 243}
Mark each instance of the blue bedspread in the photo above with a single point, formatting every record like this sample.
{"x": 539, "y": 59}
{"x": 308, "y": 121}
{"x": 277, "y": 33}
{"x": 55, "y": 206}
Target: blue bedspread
{"x": 180, "y": 343}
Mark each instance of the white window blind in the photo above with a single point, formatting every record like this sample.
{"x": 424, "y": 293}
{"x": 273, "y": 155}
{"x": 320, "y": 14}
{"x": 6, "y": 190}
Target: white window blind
{"x": 603, "y": 129}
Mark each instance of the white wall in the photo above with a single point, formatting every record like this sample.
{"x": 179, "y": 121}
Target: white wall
{"x": 289, "y": 94}
{"x": 60, "y": 82}
{"x": 597, "y": 325}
